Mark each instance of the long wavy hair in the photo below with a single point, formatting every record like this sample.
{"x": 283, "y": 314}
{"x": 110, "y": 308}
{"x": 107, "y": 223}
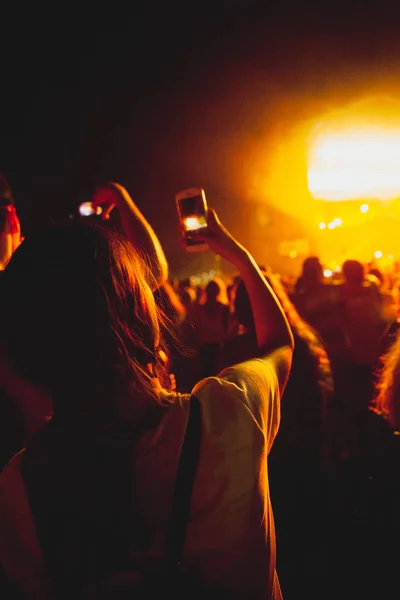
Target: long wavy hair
{"x": 301, "y": 329}
{"x": 79, "y": 320}
{"x": 309, "y": 336}
{"x": 387, "y": 399}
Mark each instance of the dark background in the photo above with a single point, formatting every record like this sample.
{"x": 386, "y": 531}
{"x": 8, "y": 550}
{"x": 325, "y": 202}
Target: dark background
{"x": 161, "y": 96}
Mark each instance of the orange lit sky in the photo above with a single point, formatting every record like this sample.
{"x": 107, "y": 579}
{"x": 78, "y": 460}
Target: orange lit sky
{"x": 329, "y": 163}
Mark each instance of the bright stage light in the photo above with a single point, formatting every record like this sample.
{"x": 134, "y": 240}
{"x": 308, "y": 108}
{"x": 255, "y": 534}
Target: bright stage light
{"x": 350, "y": 164}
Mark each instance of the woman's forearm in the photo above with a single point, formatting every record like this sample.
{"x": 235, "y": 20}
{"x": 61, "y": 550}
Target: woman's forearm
{"x": 140, "y": 233}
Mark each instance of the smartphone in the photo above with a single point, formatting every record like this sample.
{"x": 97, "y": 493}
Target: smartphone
{"x": 192, "y": 210}
{"x": 86, "y": 209}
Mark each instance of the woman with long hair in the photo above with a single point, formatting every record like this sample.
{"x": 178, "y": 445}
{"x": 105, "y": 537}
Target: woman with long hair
{"x": 97, "y": 483}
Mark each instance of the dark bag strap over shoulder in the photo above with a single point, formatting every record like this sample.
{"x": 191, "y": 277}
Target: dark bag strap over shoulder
{"x": 184, "y": 486}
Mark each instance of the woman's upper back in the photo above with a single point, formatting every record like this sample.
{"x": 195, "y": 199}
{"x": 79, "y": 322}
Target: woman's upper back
{"x": 231, "y": 520}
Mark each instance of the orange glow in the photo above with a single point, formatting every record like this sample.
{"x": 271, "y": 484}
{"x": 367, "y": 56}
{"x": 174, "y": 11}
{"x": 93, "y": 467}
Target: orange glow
{"x": 362, "y": 162}
{"x": 357, "y": 130}
{"x": 193, "y": 223}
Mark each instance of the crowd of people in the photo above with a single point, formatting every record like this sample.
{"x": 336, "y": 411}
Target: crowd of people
{"x": 108, "y": 367}
{"x": 335, "y": 463}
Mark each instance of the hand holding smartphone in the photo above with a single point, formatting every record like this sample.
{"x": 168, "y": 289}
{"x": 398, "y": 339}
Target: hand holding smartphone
{"x": 192, "y": 208}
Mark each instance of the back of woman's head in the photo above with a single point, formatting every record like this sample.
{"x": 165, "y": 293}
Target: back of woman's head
{"x": 311, "y": 343}
{"x": 79, "y": 320}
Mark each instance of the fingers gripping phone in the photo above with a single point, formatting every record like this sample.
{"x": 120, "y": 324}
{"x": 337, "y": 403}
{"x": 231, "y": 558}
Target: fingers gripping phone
{"x": 192, "y": 210}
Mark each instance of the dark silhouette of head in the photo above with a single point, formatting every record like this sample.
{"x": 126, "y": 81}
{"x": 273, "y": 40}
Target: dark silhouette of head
{"x": 312, "y": 271}
{"x": 215, "y": 290}
{"x": 184, "y": 283}
{"x": 80, "y": 321}
{"x": 353, "y": 271}
{"x": 188, "y": 296}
